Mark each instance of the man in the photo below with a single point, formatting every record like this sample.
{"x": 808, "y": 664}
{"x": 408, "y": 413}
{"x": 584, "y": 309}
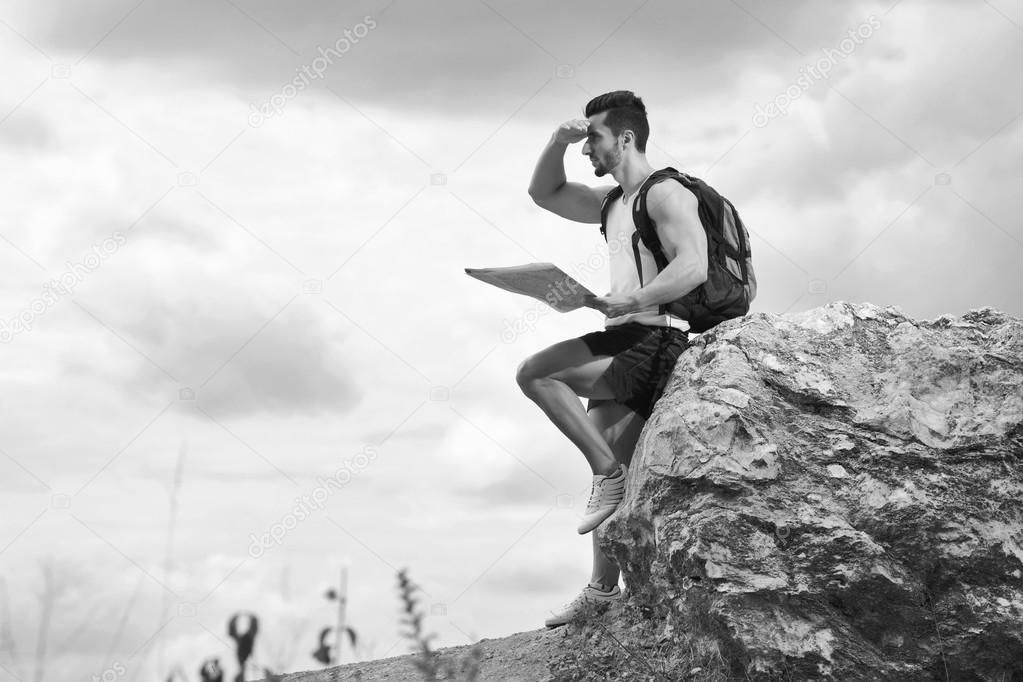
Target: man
{"x": 622, "y": 370}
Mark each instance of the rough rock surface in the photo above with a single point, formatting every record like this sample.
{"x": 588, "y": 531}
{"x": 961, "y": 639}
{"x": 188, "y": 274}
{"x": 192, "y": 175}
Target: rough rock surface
{"x": 838, "y": 494}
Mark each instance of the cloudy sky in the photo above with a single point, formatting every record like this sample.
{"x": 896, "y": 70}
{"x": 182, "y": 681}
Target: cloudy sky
{"x": 232, "y": 252}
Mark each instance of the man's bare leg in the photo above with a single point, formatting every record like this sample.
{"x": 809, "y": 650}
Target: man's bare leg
{"x": 555, "y": 379}
{"x": 620, "y": 428}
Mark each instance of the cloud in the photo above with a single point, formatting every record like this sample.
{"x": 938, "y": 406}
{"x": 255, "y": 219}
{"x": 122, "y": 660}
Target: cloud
{"x": 292, "y": 366}
{"x": 27, "y": 133}
{"x": 518, "y": 486}
{"x": 548, "y": 578}
{"x": 256, "y": 360}
{"x": 462, "y": 56}
{"x": 241, "y": 353}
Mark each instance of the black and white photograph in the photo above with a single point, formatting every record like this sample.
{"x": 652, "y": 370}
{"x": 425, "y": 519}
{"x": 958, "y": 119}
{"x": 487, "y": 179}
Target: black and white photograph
{"x": 496, "y": 341}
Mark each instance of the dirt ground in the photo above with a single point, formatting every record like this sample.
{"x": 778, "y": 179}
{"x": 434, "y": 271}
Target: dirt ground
{"x": 521, "y": 657}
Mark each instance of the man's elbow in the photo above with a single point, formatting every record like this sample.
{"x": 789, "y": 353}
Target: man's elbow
{"x": 693, "y": 282}
{"x": 695, "y": 272}
{"x": 539, "y": 197}
{"x": 692, "y": 279}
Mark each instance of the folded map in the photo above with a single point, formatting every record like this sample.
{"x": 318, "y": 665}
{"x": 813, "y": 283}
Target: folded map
{"x": 543, "y": 281}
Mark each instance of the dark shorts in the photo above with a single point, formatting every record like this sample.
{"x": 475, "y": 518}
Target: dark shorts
{"x": 644, "y": 357}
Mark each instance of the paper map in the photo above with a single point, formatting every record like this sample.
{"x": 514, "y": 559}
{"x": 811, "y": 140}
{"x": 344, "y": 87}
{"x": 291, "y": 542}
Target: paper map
{"x": 543, "y": 281}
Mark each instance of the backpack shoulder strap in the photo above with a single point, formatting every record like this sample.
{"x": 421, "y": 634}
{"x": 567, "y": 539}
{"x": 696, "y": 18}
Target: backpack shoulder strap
{"x": 615, "y": 194}
{"x": 645, "y": 227}
{"x": 714, "y": 211}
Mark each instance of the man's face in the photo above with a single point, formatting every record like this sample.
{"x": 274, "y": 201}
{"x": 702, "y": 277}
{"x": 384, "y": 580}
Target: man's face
{"x": 604, "y": 149}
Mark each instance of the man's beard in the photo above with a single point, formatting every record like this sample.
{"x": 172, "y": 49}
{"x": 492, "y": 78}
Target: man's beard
{"x": 601, "y": 168}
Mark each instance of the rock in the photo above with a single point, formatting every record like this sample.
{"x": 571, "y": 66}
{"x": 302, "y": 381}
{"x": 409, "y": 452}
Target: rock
{"x": 836, "y": 471}
{"x": 837, "y": 494}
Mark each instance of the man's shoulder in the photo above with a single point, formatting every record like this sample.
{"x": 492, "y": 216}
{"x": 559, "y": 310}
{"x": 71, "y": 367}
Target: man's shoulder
{"x": 668, "y": 195}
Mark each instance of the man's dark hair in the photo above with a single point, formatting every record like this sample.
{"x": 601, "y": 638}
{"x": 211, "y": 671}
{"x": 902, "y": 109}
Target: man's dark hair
{"x": 625, "y": 111}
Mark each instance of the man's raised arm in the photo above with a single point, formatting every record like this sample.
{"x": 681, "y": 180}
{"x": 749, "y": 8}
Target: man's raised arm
{"x": 549, "y": 187}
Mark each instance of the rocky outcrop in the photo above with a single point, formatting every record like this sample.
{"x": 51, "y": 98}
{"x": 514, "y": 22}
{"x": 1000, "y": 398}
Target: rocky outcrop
{"x": 837, "y": 494}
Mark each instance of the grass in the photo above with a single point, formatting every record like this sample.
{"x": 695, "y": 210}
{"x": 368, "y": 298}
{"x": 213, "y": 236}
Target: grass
{"x": 641, "y": 646}
{"x": 431, "y": 665}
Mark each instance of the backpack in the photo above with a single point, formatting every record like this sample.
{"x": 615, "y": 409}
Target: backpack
{"x": 731, "y": 284}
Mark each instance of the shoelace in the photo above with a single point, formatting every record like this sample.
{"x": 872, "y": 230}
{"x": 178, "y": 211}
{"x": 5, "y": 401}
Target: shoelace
{"x": 594, "y": 494}
{"x": 582, "y": 600}
{"x": 570, "y": 605}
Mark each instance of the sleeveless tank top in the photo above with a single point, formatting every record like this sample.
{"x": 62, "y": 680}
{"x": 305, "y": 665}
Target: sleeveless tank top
{"x": 622, "y": 265}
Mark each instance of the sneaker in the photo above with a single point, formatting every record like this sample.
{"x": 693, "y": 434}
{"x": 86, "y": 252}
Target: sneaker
{"x": 572, "y": 610}
{"x": 605, "y": 497}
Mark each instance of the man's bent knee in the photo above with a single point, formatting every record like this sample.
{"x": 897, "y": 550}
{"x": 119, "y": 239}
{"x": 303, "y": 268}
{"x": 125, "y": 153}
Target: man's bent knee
{"x": 531, "y": 374}
{"x": 527, "y": 373}
{"x": 568, "y": 362}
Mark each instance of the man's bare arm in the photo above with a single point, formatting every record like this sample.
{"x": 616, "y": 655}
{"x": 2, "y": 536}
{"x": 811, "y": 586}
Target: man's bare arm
{"x": 675, "y": 212}
{"x": 549, "y": 187}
